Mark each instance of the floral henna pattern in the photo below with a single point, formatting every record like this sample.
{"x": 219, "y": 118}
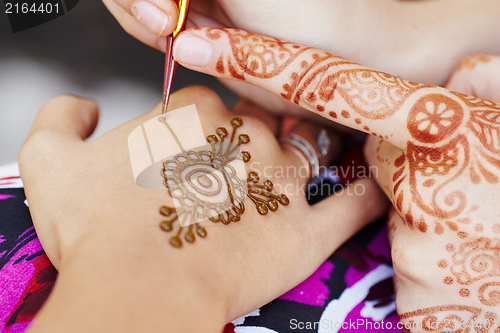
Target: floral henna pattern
{"x": 450, "y": 145}
{"x": 317, "y": 80}
{"x": 195, "y": 177}
{"x": 475, "y": 266}
{"x": 450, "y": 318}
{"x": 453, "y": 139}
{"x": 457, "y": 142}
{"x": 472, "y": 61}
{"x": 254, "y": 55}
{"x": 369, "y": 93}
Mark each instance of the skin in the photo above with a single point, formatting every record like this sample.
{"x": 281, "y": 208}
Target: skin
{"x": 438, "y": 156}
{"x": 102, "y": 233}
{"x": 419, "y": 40}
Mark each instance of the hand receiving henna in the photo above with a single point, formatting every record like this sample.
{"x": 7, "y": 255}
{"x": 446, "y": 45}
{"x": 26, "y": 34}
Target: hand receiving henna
{"x": 91, "y": 218}
{"x": 438, "y": 159}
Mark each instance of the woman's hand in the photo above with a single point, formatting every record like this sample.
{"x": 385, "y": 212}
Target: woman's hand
{"x": 419, "y": 40}
{"x": 437, "y": 154}
{"x": 102, "y": 231}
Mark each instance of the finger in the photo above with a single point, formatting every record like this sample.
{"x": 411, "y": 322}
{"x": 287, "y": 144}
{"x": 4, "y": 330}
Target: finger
{"x": 132, "y": 26}
{"x": 309, "y": 133}
{"x": 71, "y": 116}
{"x": 353, "y": 95}
{"x": 202, "y": 20}
{"x": 340, "y": 216}
{"x": 394, "y": 223}
{"x": 157, "y": 17}
{"x": 247, "y": 108}
{"x": 259, "y": 96}
{"x": 385, "y": 167}
{"x": 477, "y": 75}
{"x": 266, "y": 99}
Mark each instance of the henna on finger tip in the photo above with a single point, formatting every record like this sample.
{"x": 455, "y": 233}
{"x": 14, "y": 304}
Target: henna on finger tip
{"x": 448, "y": 138}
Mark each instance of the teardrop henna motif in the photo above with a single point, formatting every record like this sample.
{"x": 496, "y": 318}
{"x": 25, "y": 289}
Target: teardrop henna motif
{"x": 194, "y": 177}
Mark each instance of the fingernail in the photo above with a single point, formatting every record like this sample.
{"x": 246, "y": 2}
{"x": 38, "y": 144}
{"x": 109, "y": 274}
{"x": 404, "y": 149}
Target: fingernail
{"x": 191, "y": 50}
{"x": 150, "y": 16}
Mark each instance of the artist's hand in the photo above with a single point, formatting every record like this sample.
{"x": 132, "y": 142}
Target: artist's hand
{"x": 437, "y": 154}
{"x": 91, "y": 217}
{"x": 418, "y": 40}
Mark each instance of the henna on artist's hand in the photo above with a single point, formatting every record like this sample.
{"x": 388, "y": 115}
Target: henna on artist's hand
{"x": 386, "y": 34}
{"x": 438, "y": 158}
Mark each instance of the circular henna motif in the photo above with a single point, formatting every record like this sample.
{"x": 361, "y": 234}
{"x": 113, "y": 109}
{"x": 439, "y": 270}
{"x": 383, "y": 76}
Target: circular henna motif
{"x": 204, "y": 181}
{"x": 434, "y": 117}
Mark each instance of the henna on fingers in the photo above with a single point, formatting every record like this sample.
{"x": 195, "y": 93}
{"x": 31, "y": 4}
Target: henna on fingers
{"x": 447, "y": 138}
{"x": 442, "y": 173}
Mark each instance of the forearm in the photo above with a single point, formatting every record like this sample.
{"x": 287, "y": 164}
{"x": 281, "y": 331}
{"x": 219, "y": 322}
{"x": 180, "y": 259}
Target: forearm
{"x": 97, "y": 290}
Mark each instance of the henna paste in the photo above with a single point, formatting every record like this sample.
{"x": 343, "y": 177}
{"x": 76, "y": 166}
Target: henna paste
{"x": 472, "y": 61}
{"x": 476, "y": 266}
{"x": 450, "y": 318}
{"x": 451, "y": 136}
{"x": 200, "y": 169}
{"x": 457, "y": 139}
{"x": 254, "y": 55}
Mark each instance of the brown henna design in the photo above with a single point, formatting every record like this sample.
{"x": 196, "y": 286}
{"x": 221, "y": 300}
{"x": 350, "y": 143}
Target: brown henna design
{"x": 370, "y": 93}
{"x": 472, "y": 61}
{"x": 434, "y": 117}
{"x": 432, "y": 164}
{"x": 464, "y": 134}
{"x": 475, "y": 266}
{"x": 454, "y": 139}
{"x": 450, "y": 318}
{"x": 189, "y": 177}
{"x": 253, "y": 54}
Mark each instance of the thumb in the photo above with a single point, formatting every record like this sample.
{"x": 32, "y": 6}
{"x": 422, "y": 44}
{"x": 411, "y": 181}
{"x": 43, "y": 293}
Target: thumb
{"x": 345, "y": 213}
{"x": 73, "y": 117}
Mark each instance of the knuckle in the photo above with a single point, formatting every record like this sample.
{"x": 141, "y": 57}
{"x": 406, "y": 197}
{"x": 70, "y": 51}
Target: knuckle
{"x": 408, "y": 262}
{"x": 205, "y": 93}
{"x": 471, "y": 61}
{"x": 124, "y": 20}
{"x": 205, "y": 98}
{"x": 69, "y": 101}
{"x": 316, "y": 89}
{"x": 259, "y": 133}
{"x": 61, "y": 99}
{"x": 39, "y": 144}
